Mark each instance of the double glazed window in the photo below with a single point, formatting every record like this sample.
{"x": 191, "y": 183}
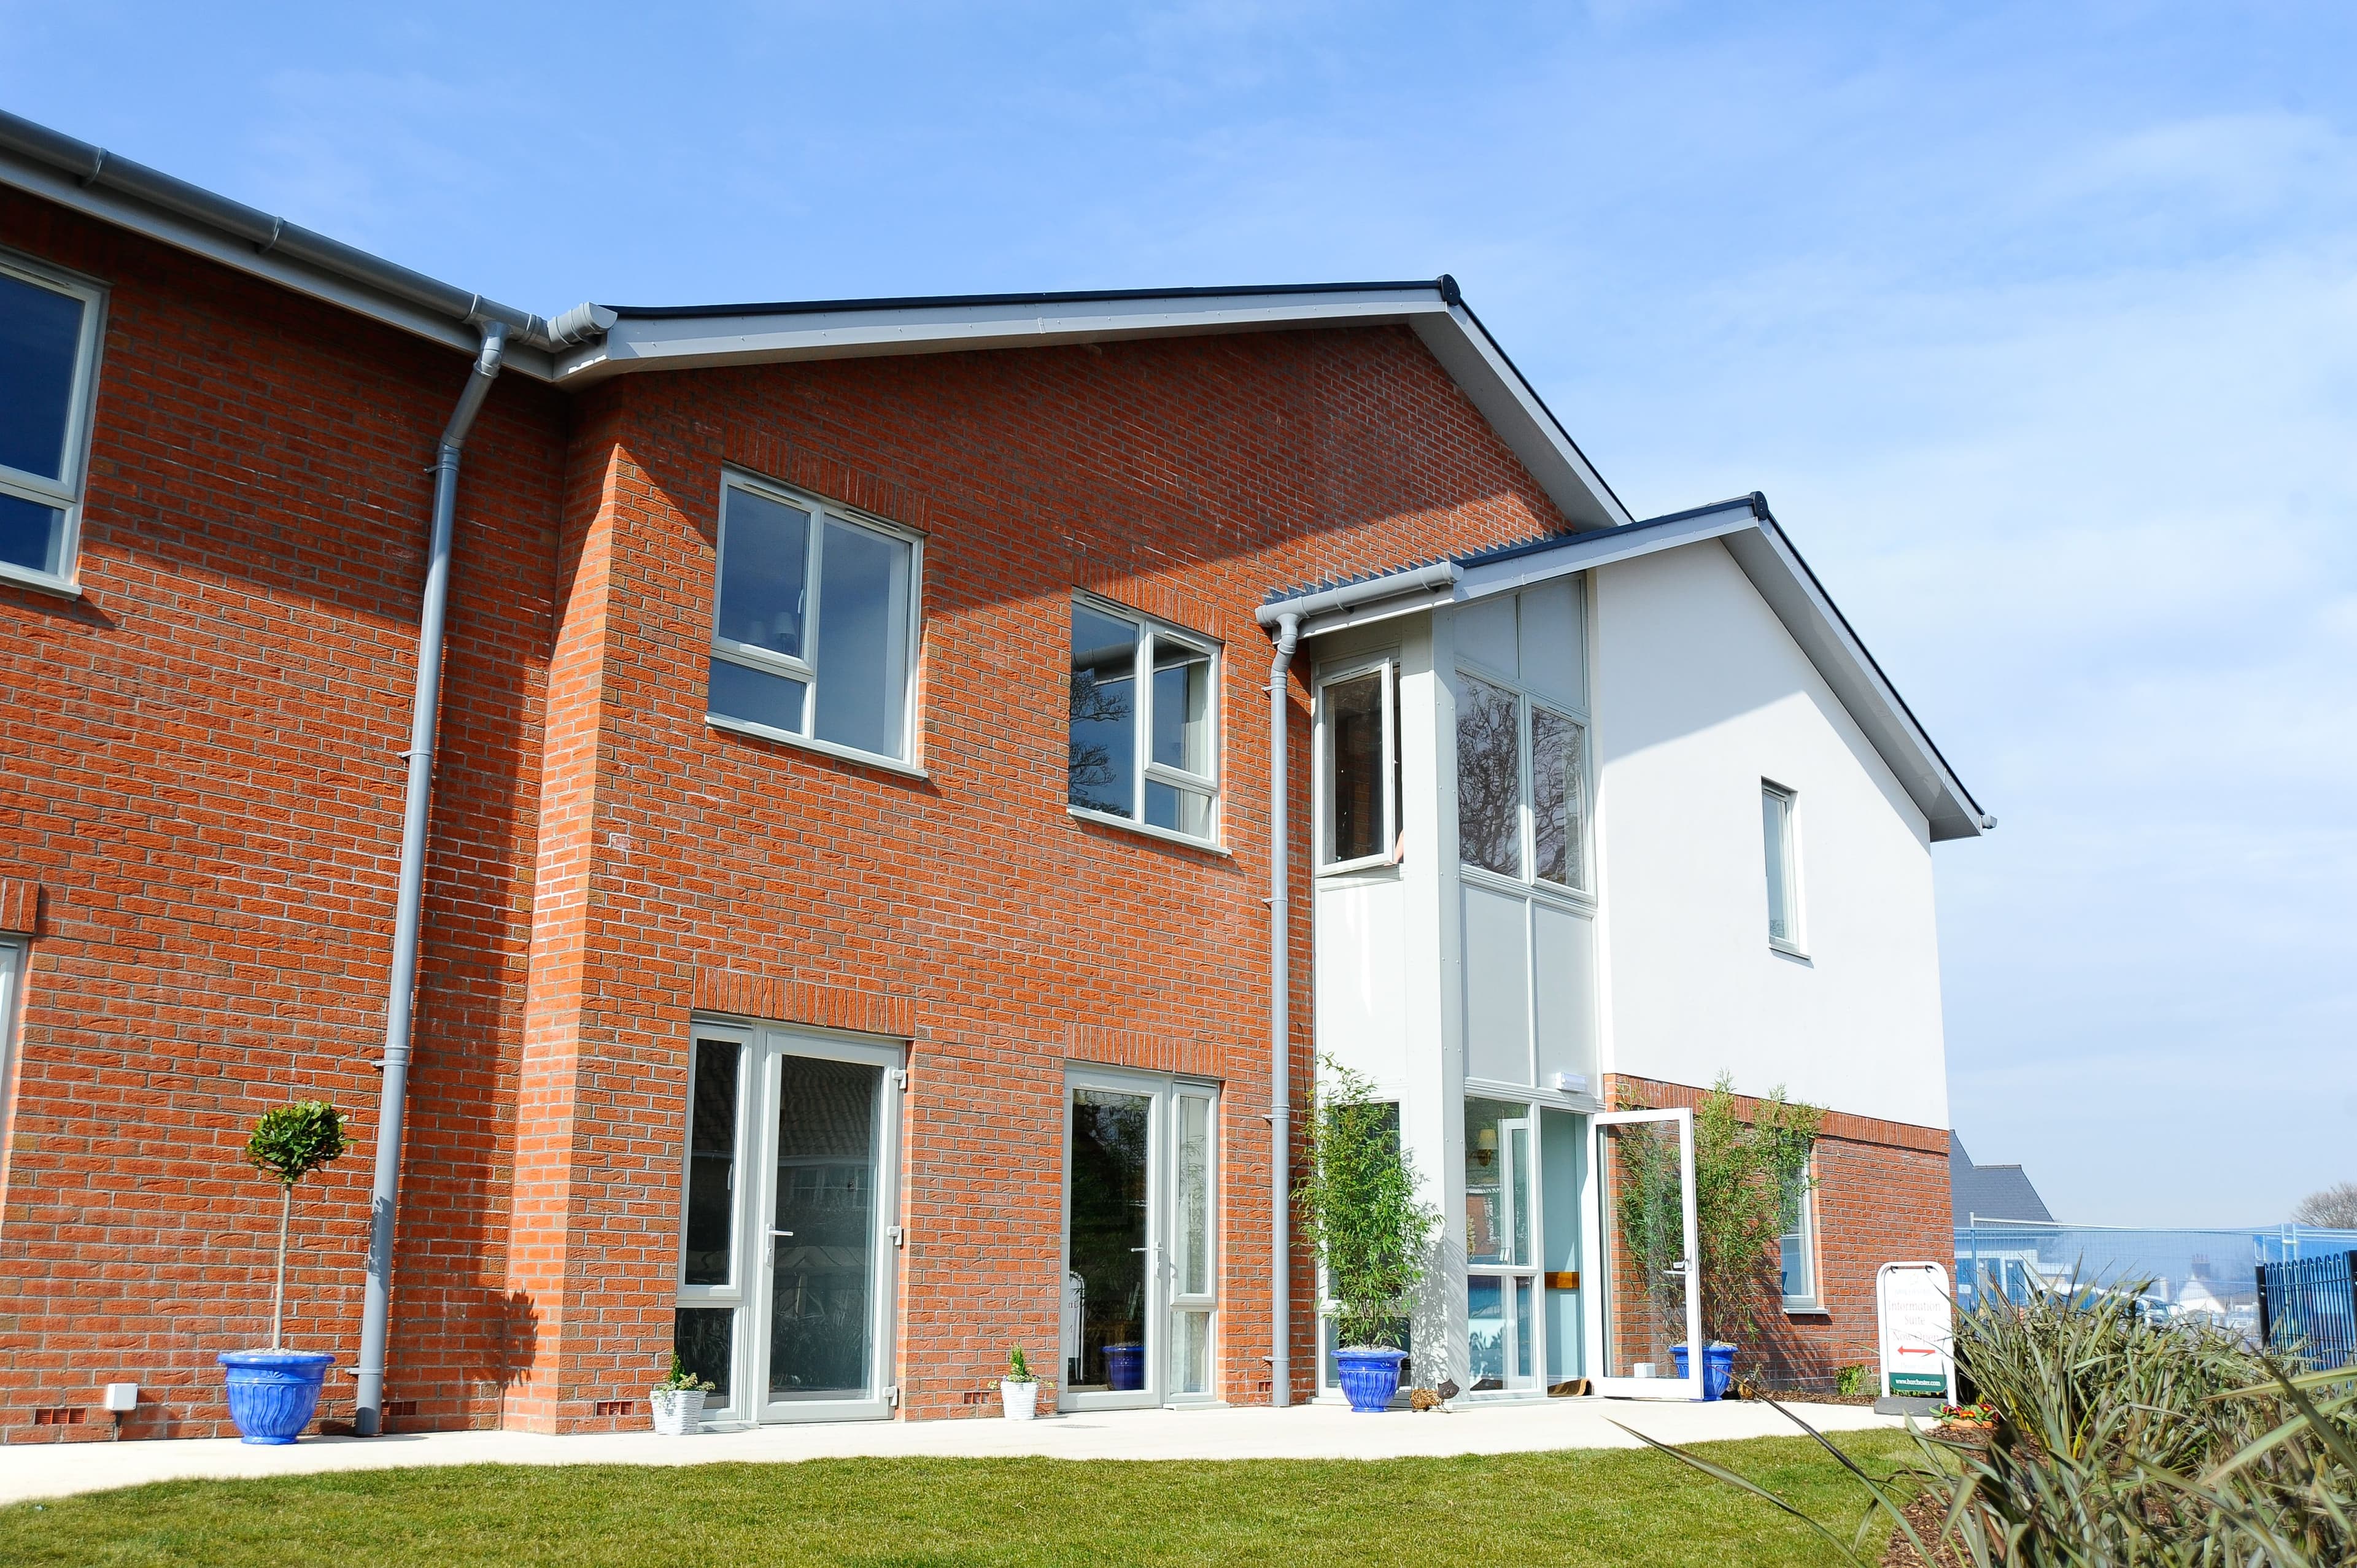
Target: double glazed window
{"x": 1521, "y": 795}
{"x": 48, "y": 352}
{"x": 1783, "y": 871}
{"x": 1144, "y": 739}
{"x": 1358, "y": 718}
{"x": 814, "y": 633}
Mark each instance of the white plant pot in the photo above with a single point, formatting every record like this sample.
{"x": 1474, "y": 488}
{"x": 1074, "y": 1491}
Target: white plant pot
{"x": 677, "y": 1411}
{"x": 1021, "y": 1399}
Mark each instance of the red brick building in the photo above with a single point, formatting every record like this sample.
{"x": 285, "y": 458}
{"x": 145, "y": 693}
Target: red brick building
{"x": 776, "y": 999}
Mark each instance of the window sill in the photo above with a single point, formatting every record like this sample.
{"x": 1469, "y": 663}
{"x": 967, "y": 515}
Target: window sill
{"x": 1146, "y": 830}
{"x": 1807, "y": 1309}
{"x": 1789, "y": 950}
{"x": 39, "y": 582}
{"x": 809, "y": 742}
{"x": 1359, "y": 867}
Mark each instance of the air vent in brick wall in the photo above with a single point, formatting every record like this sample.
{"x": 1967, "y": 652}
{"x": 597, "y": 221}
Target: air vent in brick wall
{"x": 615, "y": 1407}
{"x": 59, "y": 1415}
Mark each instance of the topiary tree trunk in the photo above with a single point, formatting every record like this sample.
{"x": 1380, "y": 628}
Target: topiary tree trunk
{"x": 289, "y": 1143}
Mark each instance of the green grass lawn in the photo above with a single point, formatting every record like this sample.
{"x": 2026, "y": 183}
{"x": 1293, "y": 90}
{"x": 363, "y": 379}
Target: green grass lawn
{"x": 1586, "y": 1507}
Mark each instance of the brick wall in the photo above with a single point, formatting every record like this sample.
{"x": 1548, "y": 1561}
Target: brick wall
{"x": 1882, "y": 1197}
{"x": 199, "y": 773}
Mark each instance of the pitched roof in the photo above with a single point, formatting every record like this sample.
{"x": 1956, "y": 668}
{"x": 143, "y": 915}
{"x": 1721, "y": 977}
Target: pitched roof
{"x": 591, "y": 342}
{"x": 1750, "y": 534}
{"x": 1991, "y": 1192}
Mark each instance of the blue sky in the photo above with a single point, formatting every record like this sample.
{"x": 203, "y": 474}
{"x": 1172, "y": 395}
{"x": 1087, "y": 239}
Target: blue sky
{"x": 2037, "y": 323}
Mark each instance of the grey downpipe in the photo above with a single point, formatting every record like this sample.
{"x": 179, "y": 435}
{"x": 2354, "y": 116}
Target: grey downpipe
{"x": 401, "y": 999}
{"x": 1280, "y": 1019}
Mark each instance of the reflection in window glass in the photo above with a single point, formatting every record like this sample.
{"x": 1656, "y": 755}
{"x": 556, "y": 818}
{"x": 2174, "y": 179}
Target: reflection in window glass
{"x": 863, "y": 653}
{"x": 764, "y": 572}
{"x": 32, "y": 534}
{"x": 1182, "y": 707}
{"x": 703, "y": 1337}
{"x": 1776, "y": 832}
{"x": 822, "y": 1247}
{"x": 1194, "y": 1196}
{"x": 1555, "y": 805}
{"x": 1497, "y": 1182}
{"x": 756, "y": 696}
{"x": 40, "y": 338}
{"x": 1796, "y": 1247}
{"x": 1355, "y": 774}
{"x": 1101, "y": 756}
{"x": 1488, "y": 779}
{"x": 712, "y": 1163}
{"x": 1485, "y": 1330}
{"x": 1148, "y": 755}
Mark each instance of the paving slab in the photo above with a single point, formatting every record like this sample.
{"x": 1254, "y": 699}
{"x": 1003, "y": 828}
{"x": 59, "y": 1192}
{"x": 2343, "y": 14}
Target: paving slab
{"x": 1306, "y": 1431}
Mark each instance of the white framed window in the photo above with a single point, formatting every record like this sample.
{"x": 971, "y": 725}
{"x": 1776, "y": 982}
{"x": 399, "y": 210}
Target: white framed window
{"x": 814, "y": 622}
{"x": 49, "y": 324}
{"x": 1521, "y": 796}
{"x": 1781, "y": 849}
{"x": 12, "y": 980}
{"x": 1143, "y": 736}
{"x": 1358, "y": 776}
{"x": 1797, "y": 1246}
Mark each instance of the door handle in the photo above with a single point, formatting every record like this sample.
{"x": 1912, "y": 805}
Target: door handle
{"x": 781, "y": 1232}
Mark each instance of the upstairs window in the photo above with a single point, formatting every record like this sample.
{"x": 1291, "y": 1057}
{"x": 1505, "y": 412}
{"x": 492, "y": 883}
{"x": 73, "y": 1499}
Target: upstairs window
{"x": 1143, "y": 743}
{"x": 1358, "y": 728}
{"x": 48, "y": 353}
{"x": 1783, "y": 875}
{"x": 1521, "y": 786}
{"x": 835, "y": 666}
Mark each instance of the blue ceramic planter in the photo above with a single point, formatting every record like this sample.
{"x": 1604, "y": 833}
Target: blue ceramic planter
{"x": 1370, "y": 1376}
{"x": 1717, "y": 1368}
{"x": 273, "y": 1393}
{"x": 1125, "y": 1366}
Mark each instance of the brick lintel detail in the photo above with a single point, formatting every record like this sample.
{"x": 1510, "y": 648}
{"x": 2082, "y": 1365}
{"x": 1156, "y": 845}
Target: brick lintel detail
{"x": 1146, "y": 1051}
{"x": 784, "y": 1000}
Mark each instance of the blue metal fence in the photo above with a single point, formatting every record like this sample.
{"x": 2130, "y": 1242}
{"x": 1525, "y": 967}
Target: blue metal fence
{"x": 2180, "y": 1275}
{"x": 2309, "y": 1305}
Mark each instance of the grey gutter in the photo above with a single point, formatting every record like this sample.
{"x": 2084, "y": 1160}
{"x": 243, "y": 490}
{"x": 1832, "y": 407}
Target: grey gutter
{"x": 1280, "y": 1017}
{"x": 401, "y": 996}
{"x": 197, "y": 219}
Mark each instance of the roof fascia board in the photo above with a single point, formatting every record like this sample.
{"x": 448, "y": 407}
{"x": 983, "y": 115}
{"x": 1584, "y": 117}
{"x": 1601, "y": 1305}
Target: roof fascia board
{"x": 126, "y": 212}
{"x": 1472, "y": 358}
{"x": 1582, "y": 553}
{"x": 1810, "y": 616}
{"x": 654, "y": 342}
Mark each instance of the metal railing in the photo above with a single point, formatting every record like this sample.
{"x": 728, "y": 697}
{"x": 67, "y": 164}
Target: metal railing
{"x": 2309, "y": 1305}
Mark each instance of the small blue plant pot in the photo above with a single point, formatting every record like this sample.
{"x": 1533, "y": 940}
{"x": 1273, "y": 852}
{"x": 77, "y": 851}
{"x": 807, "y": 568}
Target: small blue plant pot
{"x": 1370, "y": 1377}
{"x": 272, "y": 1395}
{"x": 1717, "y": 1368}
{"x": 1125, "y": 1366}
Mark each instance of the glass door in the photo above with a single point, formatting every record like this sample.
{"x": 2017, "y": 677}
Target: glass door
{"x": 1646, "y": 1298}
{"x": 1140, "y": 1301}
{"x": 788, "y": 1246}
{"x": 1504, "y": 1326}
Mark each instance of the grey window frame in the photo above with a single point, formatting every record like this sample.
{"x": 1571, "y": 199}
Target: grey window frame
{"x": 65, "y": 493}
{"x": 804, "y": 669}
{"x": 1794, "y": 940}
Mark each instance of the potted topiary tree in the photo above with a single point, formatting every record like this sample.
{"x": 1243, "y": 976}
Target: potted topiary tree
{"x": 1018, "y": 1391}
{"x": 273, "y": 1393}
{"x": 677, "y": 1402}
{"x": 1359, "y": 1212}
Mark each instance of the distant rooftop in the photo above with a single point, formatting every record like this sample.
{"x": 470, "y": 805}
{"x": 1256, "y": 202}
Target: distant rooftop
{"x": 1991, "y": 1192}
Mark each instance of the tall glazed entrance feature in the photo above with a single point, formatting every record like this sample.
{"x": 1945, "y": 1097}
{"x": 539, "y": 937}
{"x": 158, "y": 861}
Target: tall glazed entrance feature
{"x": 792, "y": 1232}
{"x": 1140, "y": 1301}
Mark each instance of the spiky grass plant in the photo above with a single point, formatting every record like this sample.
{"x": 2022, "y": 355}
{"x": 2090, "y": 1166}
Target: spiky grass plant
{"x": 2121, "y": 1442}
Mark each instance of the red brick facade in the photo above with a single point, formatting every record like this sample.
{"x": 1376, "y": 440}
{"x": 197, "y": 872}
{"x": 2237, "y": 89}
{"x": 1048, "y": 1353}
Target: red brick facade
{"x": 200, "y": 823}
{"x": 1882, "y": 1196}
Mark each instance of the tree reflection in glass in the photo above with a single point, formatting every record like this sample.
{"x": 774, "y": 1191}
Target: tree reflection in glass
{"x": 1488, "y": 779}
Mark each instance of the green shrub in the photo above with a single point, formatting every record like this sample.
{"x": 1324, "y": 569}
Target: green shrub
{"x": 1852, "y": 1382}
{"x": 1356, "y": 1200}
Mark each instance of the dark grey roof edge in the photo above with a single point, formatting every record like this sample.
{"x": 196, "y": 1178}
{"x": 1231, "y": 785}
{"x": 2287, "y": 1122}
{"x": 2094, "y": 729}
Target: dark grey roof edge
{"x": 1768, "y": 518}
{"x": 1444, "y": 286}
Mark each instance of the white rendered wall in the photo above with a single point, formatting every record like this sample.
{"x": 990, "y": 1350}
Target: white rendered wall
{"x": 1698, "y": 696}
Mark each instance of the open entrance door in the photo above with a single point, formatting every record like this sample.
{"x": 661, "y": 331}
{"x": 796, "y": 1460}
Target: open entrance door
{"x": 1647, "y": 1296}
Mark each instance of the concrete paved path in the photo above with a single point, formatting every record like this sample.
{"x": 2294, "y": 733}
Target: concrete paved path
{"x": 1310, "y": 1432}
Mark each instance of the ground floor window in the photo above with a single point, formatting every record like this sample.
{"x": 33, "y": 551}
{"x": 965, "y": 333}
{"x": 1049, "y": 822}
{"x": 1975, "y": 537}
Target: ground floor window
{"x": 1502, "y": 1222}
{"x": 1798, "y": 1248}
{"x": 788, "y": 1221}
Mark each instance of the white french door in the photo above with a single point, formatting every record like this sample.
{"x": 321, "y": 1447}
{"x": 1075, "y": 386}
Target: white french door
{"x": 1646, "y": 1298}
{"x": 1141, "y": 1264}
{"x": 789, "y": 1251}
